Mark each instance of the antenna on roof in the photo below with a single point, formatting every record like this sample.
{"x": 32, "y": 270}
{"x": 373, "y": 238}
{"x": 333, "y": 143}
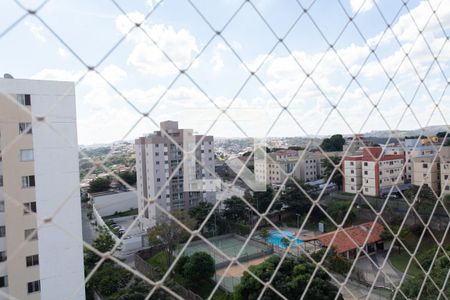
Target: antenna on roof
{"x": 8, "y": 76}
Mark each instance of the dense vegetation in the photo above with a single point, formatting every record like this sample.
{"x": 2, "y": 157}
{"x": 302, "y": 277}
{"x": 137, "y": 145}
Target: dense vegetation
{"x": 290, "y": 280}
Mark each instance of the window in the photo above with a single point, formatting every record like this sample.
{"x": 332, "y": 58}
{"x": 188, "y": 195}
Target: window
{"x": 34, "y": 286}
{"x": 25, "y": 127}
{"x": 2, "y": 231}
{"x": 425, "y": 166}
{"x": 1, "y": 180}
{"x": 3, "y": 281}
{"x": 32, "y": 260}
{"x": 365, "y": 164}
{"x": 24, "y": 99}
{"x": 2, "y": 256}
{"x": 2, "y": 206}
{"x": 29, "y": 207}
{"x": 26, "y": 155}
{"x": 28, "y": 181}
{"x": 31, "y": 234}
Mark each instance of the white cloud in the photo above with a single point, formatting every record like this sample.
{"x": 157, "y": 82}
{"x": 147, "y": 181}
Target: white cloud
{"x": 180, "y": 46}
{"x": 37, "y": 30}
{"x": 361, "y": 5}
{"x": 62, "y": 52}
{"x": 153, "y": 3}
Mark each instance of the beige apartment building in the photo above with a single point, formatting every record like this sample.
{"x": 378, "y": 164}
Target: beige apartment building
{"x": 162, "y": 175}
{"x": 426, "y": 170}
{"x": 41, "y": 255}
{"x": 304, "y": 165}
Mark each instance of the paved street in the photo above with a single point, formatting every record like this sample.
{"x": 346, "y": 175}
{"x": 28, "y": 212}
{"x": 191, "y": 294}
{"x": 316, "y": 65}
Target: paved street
{"x": 89, "y": 233}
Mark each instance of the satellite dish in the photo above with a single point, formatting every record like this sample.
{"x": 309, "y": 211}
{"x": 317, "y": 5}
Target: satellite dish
{"x": 8, "y": 76}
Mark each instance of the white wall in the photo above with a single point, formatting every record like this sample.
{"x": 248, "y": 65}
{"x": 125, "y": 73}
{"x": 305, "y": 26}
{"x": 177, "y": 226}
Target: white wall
{"x": 57, "y": 190}
{"x": 110, "y": 203}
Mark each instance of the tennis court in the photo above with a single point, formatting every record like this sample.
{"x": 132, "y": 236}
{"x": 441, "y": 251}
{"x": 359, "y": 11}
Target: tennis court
{"x": 229, "y": 244}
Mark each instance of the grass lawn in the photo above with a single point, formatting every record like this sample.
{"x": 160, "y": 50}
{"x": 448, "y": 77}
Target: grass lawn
{"x": 400, "y": 261}
{"x": 159, "y": 260}
{"x": 130, "y": 212}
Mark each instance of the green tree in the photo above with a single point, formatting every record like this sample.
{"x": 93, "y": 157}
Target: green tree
{"x": 216, "y": 224}
{"x": 264, "y": 233}
{"x": 438, "y": 273}
{"x": 337, "y": 209}
{"x": 295, "y": 198}
{"x": 235, "y": 209}
{"x": 103, "y": 243}
{"x": 285, "y": 241}
{"x": 109, "y": 279}
{"x": 128, "y": 176}
{"x": 170, "y": 234}
{"x": 290, "y": 280}
{"x": 200, "y": 211}
{"x": 424, "y": 202}
{"x": 441, "y": 134}
{"x": 339, "y": 264}
{"x": 262, "y": 200}
{"x": 100, "y": 184}
{"x": 329, "y": 169}
{"x": 199, "y": 267}
{"x": 334, "y": 143}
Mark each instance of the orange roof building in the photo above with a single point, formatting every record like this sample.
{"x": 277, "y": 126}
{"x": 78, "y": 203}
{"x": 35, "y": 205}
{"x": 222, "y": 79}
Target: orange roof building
{"x": 347, "y": 246}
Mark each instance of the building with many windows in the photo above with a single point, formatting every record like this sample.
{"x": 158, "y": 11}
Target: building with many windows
{"x": 373, "y": 172}
{"x": 41, "y": 256}
{"x": 304, "y": 165}
{"x": 164, "y": 177}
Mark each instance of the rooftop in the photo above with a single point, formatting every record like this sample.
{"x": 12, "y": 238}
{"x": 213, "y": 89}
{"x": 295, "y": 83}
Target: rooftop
{"x": 342, "y": 243}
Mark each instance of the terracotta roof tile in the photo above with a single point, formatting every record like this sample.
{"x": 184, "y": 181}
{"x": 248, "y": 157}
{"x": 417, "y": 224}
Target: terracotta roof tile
{"x": 342, "y": 243}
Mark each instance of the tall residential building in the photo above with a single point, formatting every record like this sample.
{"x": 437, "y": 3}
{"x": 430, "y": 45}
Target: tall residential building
{"x": 40, "y": 215}
{"x": 157, "y": 158}
{"x": 373, "y": 172}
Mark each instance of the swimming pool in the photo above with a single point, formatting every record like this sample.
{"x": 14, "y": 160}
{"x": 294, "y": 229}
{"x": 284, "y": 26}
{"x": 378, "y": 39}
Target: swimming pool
{"x": 276, "y": 237}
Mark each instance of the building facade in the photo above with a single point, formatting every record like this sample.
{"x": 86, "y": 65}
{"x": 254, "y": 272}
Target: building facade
{"x": 304, "y": 165}
{"x": 373, "y": 172}
{"x": 162, "y": 175}
{"x": 41, "y": 254}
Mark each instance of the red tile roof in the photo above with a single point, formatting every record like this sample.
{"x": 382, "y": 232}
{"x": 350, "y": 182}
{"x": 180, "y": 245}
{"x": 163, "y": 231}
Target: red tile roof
{"x": 342, "y": 243}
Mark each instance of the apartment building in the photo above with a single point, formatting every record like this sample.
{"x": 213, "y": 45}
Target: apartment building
{"x": 445, "y": 174}
{"x": 354, "y": 144}
{"x": 159, "y": 178}
{"x": 305, "y": 166}
{"x": 373, "y": 172}
{"x": 426, "y": 170}
{"x": 41, "y": 256}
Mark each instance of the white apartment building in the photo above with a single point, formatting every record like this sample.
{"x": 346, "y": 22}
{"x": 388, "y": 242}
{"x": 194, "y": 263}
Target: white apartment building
{"x": 41, "y": 254}
{"x": 157, "y": 158}
{"x": 374, "y": 172}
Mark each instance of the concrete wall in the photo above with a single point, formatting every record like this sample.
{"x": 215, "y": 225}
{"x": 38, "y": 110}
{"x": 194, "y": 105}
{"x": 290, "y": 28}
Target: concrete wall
{"x": 108, "y": 204}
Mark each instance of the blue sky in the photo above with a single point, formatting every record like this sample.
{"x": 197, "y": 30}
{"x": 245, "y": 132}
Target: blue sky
{"x": 142, "y": 73}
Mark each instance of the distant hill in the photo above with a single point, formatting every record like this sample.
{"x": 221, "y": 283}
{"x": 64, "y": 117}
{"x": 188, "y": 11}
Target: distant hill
{"x": 430, "y": 130}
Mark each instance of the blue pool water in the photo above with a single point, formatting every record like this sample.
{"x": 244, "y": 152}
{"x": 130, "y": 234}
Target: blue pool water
{"x": 276, "y": 237}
